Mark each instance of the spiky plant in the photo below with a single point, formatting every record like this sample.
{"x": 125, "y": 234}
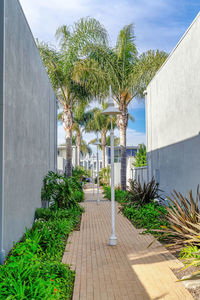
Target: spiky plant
{"x": 184, "y": 218}
{"x": 141, "y": 194}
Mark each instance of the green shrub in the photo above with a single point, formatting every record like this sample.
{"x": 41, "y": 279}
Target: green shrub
{"x": 60, "y": 191}
{"x": 33, "y": 269}
{"x": 150, "y": 216}
{"x": 107, "y": 192}
{"x": 48, "y": 213}
{"x": 120, "y": 195}
{"x": 80, "y": 173}
{"x": 78, "y": 195}
{"x": 141, "y": 156}
{"x": 104, "y": 176}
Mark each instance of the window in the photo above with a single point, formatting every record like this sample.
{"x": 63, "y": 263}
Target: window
{"x": 100, "y": 164}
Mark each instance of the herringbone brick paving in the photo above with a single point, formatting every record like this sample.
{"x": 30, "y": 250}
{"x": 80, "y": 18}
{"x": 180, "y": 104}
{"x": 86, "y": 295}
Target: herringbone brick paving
{"x": 126, "y": 271}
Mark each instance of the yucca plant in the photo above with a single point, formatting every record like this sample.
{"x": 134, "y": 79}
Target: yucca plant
{"x": 184, "y": 219}
{"x": 141, "y": 194}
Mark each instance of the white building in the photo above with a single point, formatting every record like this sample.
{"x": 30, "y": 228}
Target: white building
{"x": 130, "y": 153}
{"x": 86, "y": 161}
{"x": 172, "y": 117}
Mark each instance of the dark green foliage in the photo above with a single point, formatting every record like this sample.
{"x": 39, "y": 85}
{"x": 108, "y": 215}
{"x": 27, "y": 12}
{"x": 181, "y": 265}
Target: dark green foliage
{"x": 33, "y": 269}
{"x": 80, "y": 174}
{"x": 142, "y": 194}
{"x": 141, "y": 156}
{"x": 120, "y": 195}
{"x": 61, "y": 191}
{"x": 150, "y": 216}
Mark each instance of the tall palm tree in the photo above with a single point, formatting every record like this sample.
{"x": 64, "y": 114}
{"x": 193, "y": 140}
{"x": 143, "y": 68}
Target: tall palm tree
{"x": 125, "y": 70}
{"x": 80, "y": 120}
{"x": 60, "y": 64}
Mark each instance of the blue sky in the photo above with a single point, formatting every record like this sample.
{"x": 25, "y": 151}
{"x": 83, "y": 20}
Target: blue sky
{"x": 159, "y": 24}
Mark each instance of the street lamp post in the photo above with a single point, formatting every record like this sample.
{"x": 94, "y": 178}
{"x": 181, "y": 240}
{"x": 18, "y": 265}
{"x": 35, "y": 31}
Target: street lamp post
{"x": 97, "y": 144}
{"x": 93, "y": 158}
{"x": 112, "y": 110}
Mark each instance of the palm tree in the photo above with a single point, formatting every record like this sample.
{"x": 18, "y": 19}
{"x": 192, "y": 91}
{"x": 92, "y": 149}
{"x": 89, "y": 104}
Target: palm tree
{"x": 84, "y": 147}
{"x": 80, "y": 120}
{"x": 127, "y": 73}
{"x": 59, "y": 65}
{"x": 100, "y": 123}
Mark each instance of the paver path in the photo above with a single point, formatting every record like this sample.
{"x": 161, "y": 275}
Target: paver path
{"x": 126, "y": 271}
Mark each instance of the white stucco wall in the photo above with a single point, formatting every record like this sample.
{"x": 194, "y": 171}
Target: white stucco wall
{"x": 172, "y": 116}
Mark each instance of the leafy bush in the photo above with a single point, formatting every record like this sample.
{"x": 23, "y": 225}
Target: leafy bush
{"x": 150, "y": 216}
{"x": 141, "y": 156}
{"x": 33, "y": 269}
{"x": 142, "y": 194}
{"x": 120, "y": 195}
{"x": 62, "y": 192}
{"x": 107, "y": 192}
{"x": 104, "y": 175}
{"x": 80, "y": 174}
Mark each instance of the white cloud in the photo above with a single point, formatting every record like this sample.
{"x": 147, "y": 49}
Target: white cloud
{"x": 44, "y": 16}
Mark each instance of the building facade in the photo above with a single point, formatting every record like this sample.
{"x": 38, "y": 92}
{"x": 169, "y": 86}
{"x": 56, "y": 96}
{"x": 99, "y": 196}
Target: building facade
{"x": 172, "y": 117}
{"x": 130, "y": 152}
{"x": 86, "y": 161}
{"x": 28, "y": 125}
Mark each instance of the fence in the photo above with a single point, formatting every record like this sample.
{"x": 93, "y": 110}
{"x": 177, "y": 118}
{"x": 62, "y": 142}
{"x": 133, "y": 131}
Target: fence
{"x": 61, "y": 162}
{"x": 140, "y": 174}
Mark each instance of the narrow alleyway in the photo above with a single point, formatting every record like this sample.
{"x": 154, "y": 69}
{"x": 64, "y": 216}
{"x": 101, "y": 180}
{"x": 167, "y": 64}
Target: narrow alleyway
{"x": 126, "y": 271}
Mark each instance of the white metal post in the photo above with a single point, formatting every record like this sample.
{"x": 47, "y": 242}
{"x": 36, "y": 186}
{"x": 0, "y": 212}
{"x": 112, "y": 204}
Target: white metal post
{"x": 98, "y": 199}
{"x": 93, "y": 174}
{"x": 113, "y": 239}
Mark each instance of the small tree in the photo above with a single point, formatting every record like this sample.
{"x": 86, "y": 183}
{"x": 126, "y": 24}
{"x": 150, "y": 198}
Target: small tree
{"x": 141, "y": 157}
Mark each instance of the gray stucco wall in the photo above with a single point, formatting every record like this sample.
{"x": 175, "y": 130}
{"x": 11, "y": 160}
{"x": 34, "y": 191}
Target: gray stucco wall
{"x": 172, "y": 117}
{"x": 29, "y": 124}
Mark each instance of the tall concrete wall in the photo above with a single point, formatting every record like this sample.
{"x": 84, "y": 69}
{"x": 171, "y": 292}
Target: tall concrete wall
{"x": 28, "y": 134}
{"x": 172, "y": 117}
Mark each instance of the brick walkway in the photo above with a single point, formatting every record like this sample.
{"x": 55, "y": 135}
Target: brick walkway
{"x": 126, "y": 271}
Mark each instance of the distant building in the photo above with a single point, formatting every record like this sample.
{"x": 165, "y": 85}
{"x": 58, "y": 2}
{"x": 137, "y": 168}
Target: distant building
{"x": 130, "y": 152}
{"x": 130, "y": 157}
{"x": 86, "y": 161}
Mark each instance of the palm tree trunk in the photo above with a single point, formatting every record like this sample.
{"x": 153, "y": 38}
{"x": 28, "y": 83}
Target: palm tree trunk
{"x": 68, "y": 152}
{"x": 78, "y": 144}
{"x": 122, "y": 124}
{"x": 123, "y": 156}
{"x": 103, "y": 146}
{"x": 67, "y": 119}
